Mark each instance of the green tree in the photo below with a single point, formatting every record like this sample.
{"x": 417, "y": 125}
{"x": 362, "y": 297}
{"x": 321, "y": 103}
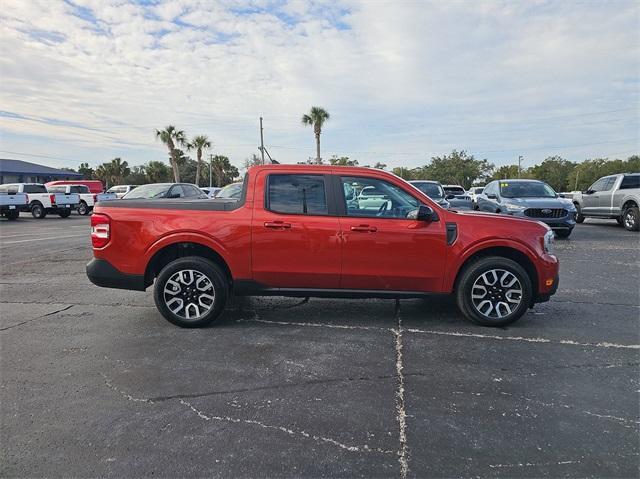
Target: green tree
{"x": 588, "y": 171}
{"x": 458, "y": 168}
{"x": 505, "y": 172}
{"x": 172, "y": 137}
{"x": 407, "y": 173}
{"x": 157, "y": 172}
{"x": 222, "y": 171}
{"x": 199, "y": 143}
{"x": 342, "y": 161}
{"x": 137, "y": 176}
{"x": 113, "y": 172}
{"x": 554, "y": 170}
{"x": 316, "y": 117}
{"x": 86, "y": 171}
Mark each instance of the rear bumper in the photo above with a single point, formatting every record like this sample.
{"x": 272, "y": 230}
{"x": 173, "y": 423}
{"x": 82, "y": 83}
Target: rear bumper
{"x": 102, "y": 273}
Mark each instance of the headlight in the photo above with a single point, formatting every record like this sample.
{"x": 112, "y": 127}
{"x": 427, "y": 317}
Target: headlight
{"x": 549, "y": 240}
{"x": 514, "y": 207}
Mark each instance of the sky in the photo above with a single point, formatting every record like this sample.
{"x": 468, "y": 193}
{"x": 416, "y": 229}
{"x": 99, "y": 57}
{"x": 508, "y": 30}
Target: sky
{"x": 90, "y": 80}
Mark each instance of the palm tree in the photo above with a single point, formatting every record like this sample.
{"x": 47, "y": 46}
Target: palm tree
{"x": 316, "y": 117}
{"x": 171, "y": 137}
{"x": 119, "y": 170}
{"x": 199, "y": 143}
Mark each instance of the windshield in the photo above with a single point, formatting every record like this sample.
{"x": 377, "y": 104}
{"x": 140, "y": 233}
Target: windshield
{"x": 432, "y": 190}
{"x": 148, "y": 191}
{"x": 526, "y": 189}
{"x": 234, "y": 190}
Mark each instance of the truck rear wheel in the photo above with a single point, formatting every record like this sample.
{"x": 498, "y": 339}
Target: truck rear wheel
{"x": 64, "y": 213}
{"x": 37, "y": 210}
{"x": 83, "y": 209}
{"x": 631, "y": 219}
{"x": 12, "y": 215}
{"x": 191, "y": 292}
{"x": 494, "y": 291}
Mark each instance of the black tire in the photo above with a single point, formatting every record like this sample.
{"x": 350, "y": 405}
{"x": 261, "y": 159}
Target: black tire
{"x": 83, "y": 209}
{"x": 204, "y": 268}
{"x": 64, "y": 213}
{"x": 619, "y": 220}
{"x": 473, "y": 274}
{"x": 37, "y": 210}
{"x": 579, "y": 216}
{"x": 563, "y": 233}
{"x": 631, "y": 219}
{"x": 12, "y": 215}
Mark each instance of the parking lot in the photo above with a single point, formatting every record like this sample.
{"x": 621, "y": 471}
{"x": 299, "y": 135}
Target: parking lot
{"x": 95, "y": 382}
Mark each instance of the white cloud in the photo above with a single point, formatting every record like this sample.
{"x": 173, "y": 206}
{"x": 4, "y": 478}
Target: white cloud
{"x": 404, "y": 80}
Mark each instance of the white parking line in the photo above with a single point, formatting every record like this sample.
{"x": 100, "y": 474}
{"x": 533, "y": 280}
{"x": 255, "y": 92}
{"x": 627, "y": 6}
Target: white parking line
{"x": 43, "y": 239}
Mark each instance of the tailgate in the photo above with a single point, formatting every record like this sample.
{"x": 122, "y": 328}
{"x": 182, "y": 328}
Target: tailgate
{"x": 13, "y": 199}
{"x": 61, "y": 199}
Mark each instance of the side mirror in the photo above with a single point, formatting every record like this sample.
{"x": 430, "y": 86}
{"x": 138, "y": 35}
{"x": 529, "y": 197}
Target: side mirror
{"x": 590, "y": 192}
{"x": 423, "y": 213}
{"x": 492, "y": 196}
{"x": 560, "y": 195}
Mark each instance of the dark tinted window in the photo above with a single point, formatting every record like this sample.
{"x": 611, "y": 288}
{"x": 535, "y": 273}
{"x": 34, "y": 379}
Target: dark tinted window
{"x": 79, "y": 189}
{"x": 303, "y": 194}
{"x": 34, "y": 189}
{"x": 432, "y": 190}
{"x": 630, "y": 181}
{"x": 177, "y": 192}
{"x": 526, "y": 189}
{"x": 454, "y": 190}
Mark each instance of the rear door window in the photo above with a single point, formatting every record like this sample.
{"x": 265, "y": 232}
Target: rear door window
{"x": 297, "y": 194}
{"x": 35, "y": 189}
{"x": 630, "y": 182}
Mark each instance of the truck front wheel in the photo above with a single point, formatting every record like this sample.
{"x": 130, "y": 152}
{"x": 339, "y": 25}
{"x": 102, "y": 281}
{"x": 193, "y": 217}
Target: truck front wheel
{"x": 191, "y": 292}
{"x": 579, "y": 216}
{"x": 83, "y": 209}
{"x": 494, "y": 291}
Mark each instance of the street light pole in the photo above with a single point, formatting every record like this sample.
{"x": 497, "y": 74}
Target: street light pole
{"x": 519, "y": 165}
{"x": 210, "y": 161}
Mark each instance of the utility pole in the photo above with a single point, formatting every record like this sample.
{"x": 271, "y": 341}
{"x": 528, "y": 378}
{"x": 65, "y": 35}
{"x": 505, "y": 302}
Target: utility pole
{"x": 519, "y": 165}
{"x": 210, "y": 162}
{"x": 261, "y": 141}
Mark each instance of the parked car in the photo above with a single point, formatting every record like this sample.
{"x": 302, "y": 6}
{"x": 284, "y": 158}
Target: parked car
{"x": 164, "y": 191}
{"x": 40, "y": 202}
{"x": 231, "y": 191}
{"x": 11, "y": 201}
{"x": 613, "y": 196}
{"x": 121, "y": 190}
{"x": 529, "y": 199}
{"x": 87, "y": 199}
{"x": 433, "y": 189}
{"x": 473, "y": 193}
{"x": 293, "y": 233}
{"x": 457, "y": 197}
{"x": 95, "y": 186}
{"x": 210, "y": 192}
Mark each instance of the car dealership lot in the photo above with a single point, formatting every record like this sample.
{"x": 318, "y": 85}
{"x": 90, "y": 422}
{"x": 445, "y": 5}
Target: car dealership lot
{"x": 96, "y": 383}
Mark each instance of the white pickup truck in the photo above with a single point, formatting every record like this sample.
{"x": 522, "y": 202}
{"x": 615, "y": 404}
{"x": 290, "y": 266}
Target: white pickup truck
{"x": 10, "y": 202}
{"x": 40, "y": 202}
{"x": 87, "y": 199}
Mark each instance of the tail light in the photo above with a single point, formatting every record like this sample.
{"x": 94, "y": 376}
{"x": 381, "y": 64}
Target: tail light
{"x": 100, "y": 230}
{"x": 53, "y": 199}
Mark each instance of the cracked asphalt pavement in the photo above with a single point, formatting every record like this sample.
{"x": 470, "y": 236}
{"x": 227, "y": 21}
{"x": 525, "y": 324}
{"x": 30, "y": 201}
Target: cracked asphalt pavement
{"x": 94, "y": 382}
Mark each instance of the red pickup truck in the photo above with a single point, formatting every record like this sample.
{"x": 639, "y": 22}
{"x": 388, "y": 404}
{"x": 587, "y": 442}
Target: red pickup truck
{"x": 301, "y": 230}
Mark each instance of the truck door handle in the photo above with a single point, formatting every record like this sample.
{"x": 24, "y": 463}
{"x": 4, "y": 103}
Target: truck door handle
{"x": 364, "y": 228}
{"x": 279, "y": 225}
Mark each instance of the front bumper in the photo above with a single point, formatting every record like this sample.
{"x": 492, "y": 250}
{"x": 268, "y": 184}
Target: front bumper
{"x": 564, "y": 223}
{"x": 102, "y": 273}
{"x": 544, "y": 297}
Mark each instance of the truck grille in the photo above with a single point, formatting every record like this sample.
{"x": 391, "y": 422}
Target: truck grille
{"x": 545, "y": 212}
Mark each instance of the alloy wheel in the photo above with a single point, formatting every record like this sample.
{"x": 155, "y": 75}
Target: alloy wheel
{"x": 189, "y": 294}
{"x": 629, "y": 219}
{"x": 496, "y": 293}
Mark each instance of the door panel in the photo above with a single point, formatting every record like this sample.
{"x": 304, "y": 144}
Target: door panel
{"x": 382, "y": 249}
{"x": 392, "y": 254}
{"x": 294, "y": 250}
